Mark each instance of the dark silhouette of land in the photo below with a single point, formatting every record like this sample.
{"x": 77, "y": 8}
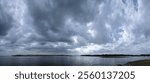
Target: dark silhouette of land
{"x": 117, "y": 55}
{"x": 95, "y": 55}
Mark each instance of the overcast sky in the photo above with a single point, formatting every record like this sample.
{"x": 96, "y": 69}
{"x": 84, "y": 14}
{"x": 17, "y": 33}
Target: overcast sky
{"x": 74, "y": 26}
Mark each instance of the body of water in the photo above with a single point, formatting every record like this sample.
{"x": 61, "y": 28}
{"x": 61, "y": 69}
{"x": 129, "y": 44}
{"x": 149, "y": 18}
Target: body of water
{"x": 67, "y": 60}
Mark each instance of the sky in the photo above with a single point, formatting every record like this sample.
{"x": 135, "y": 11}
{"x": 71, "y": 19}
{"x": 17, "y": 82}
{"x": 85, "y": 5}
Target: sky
{"x": 74, "y": 27}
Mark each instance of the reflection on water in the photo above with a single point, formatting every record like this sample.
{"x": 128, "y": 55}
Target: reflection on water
{"x": 66, "y": 60}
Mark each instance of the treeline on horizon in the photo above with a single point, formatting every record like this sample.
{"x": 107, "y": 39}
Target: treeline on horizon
{"x": 84, "y": 55}
{"x": 118, "y": 55}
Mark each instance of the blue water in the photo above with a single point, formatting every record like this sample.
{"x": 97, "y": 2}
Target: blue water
{"x": 66, "y": 60}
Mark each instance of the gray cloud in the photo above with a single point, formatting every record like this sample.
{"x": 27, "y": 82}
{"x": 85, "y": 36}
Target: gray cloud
{"x": 5, "y": 22}
{"x": 74, "y": 26}
{"x": 50, "y": 16}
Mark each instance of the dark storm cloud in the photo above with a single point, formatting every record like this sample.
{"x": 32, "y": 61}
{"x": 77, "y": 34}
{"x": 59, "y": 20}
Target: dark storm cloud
{"x": 5, "y": 22}
{"x": 50, "y": 15}
{"x": 74, "y": 26}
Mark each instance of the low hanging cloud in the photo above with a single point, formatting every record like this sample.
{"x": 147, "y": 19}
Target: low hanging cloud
{"x": 74, "y": 26}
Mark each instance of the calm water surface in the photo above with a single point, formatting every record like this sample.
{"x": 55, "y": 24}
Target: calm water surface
{"x": 66, "y": 60}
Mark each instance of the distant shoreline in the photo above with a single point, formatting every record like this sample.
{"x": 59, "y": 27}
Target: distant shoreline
{"x": 96, "y": 55}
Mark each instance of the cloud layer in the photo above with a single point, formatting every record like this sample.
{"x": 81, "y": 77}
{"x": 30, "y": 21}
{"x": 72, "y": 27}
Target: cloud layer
{"x": 74, "y": 26}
